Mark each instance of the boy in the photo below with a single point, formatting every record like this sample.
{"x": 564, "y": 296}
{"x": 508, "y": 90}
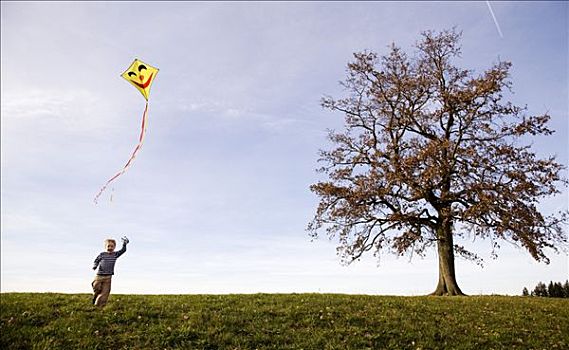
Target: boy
{"x": 106, "y": 264}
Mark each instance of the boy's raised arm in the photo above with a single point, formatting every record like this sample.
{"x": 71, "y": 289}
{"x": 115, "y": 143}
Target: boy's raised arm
{"x": 123, "y": 249}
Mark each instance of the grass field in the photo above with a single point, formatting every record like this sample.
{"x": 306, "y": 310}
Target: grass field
{"x": 282, "y": 321}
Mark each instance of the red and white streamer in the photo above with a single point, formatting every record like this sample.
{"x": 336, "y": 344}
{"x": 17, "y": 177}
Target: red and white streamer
{"x": 131, "y": 159}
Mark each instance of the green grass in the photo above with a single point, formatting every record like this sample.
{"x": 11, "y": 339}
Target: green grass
{"x": 282, "y": 321}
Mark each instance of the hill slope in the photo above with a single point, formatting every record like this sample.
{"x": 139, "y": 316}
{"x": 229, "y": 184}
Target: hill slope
{"x": 282, "y": 321}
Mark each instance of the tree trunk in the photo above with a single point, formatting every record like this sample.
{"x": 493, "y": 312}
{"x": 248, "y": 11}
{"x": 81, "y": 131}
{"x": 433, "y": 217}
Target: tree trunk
{"x": 447, "y": 280}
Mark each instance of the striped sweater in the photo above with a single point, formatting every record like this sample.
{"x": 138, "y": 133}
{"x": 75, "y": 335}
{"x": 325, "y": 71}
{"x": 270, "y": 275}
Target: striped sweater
{"x": 106, "y": 262}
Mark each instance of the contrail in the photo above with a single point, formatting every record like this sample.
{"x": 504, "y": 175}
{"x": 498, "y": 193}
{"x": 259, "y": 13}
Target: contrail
{"x": 495, "y": 20}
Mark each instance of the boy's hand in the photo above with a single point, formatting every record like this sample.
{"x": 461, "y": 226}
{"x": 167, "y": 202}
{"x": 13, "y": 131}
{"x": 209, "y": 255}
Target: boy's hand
{"x": 125, "y": 240}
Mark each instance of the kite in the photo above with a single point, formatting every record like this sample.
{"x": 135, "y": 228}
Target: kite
{"x": 141, "y": 76}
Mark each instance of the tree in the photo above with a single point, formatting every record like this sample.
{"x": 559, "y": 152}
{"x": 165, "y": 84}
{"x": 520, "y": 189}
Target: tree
{"x": 540, "y": 290}
{"x": 525, "y": 292}
{"x": 552, "y": 290}
{"x": 555, "y": 290}
{"x": 431, "y": 152}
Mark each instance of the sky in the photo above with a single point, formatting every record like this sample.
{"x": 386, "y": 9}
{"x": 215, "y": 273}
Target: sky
{"x": 217, "y": 200}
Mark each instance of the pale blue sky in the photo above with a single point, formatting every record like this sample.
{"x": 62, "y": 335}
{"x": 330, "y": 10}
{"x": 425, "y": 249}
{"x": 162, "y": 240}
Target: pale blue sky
{"x": 217, "y": 200}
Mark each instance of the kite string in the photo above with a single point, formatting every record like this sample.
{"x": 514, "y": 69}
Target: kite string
{"x": 131, "y": 159}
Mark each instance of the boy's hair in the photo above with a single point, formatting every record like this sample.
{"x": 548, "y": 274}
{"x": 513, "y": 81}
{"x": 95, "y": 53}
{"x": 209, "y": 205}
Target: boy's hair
{"x": 110, "y": 240}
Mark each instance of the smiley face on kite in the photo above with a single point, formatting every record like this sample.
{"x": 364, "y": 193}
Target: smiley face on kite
{"x": 141, "y": 75}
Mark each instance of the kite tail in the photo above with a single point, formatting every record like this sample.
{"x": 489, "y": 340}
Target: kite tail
{"x": 131, "y": 159}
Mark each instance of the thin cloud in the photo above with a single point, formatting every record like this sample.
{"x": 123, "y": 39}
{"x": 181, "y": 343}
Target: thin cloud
{"x": 77, "y": 109}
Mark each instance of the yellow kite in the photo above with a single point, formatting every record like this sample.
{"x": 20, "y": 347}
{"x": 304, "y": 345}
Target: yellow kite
{"x": 140, "y": 75}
